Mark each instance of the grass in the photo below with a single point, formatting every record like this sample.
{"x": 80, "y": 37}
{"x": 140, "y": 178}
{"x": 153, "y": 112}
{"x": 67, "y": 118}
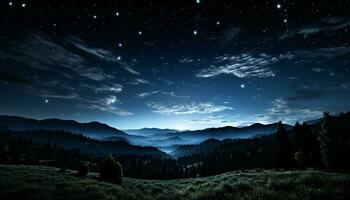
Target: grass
{"x": 38, "y": 182}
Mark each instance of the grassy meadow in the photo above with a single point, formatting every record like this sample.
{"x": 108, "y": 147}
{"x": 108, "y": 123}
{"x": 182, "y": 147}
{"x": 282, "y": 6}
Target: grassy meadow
{"x": 39, "y": 182}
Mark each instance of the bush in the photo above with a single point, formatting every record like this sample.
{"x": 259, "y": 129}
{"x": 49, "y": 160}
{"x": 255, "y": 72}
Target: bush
{"x": 83, "y": 168}
{"x": 111, "y": 170}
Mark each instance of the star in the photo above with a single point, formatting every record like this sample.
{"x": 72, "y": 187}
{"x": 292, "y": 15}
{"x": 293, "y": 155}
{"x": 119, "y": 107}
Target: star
{"x": 218, "y": 23}
{"x": 198, "y": 1}
{"x": 195, "y": 32}
{"x": 10, "y": 3}
{"x": 23, "y": 5}
{"x": 285, "y": 20}
{"x": 120, "y": 45}
{"x": 95, "y": 16}
{"x": 242, "y": 86}
{"x": 140, "y": 32}
{"x": 46, "y": 101}
{"x": 117, "y": 14}
{"x": 279, "y": 6}
{"x": 119, "y": 58}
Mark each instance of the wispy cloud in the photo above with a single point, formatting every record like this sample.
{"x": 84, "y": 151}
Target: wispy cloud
{"x": 61, "y": 96}
{"x": 186, "y": 60}
{"x": 97, "y": 52}
{"x": 325, "y": 53}
{"x": 115, "y": 87}
{"x": 140, "y": 81}
{"x": 38, "y": 51}
{"x": 107, "y": 104}
{"x": 327, "y": 25}
{"x": 187, "y": 108}
{"x": 147, "y": 94}
{"x": 243, "y": 65}
{"x": 173, "y": 94}
{"x": 287, "y": 112}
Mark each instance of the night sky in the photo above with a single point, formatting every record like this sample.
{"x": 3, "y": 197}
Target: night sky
{"x": 174, "y": 64}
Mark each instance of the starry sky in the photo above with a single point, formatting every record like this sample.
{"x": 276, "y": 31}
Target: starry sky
{"x": 185, "y": 64}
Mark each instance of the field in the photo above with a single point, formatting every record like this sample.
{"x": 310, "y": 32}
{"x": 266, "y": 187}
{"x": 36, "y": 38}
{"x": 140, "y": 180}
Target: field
{"x": 38, "y": 182}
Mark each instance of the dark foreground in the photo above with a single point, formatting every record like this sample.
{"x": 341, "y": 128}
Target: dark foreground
{"x": 37, "y": 182}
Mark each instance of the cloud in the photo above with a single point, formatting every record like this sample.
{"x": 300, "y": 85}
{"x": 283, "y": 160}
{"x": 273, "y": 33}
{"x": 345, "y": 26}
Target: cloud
{"x": 326, "y": 53}
{"x": 185, "y": 60}
{"x": 111, "y": 109}
{"x": 106, "y": 105}
{"x": 327, "y": 25}
{"x": 140, "y": 81}
{"x": 130, "y": 69}
{"x": 287, "y": 112}
{"x": 40, "y": 52}
{"x": 111, "y": 100}
{"x": 173, "y": 94}
{"x": 61, "y": 96}
{"x": 97, "y": 52}
{"x": 190, "y": 108}
{"x": 243, "y": 65}
{"x": 147, "y": 94}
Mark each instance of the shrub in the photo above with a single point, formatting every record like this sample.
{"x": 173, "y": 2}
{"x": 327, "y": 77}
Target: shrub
{"x": 83, "y": 168}
{"x": 111, "y": 170}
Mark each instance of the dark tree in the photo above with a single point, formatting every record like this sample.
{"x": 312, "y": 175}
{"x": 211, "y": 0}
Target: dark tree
{"x": 83, "y": 168}
{"x": 283, "y": 152}
{"x": 111, "y": 170}
{"x": 326, "y": 140}
{"x": 305, "y": 146}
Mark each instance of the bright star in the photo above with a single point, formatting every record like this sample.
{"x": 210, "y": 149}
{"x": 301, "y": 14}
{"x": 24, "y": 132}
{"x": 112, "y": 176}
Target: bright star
{"x": 140, "y": 32}
{"x": 195, "y": 32}
{"x": 285, "y": 20}
{"x": 117, "y": 13}
{"x": 120, "y": 45}
{"x": 279, "y": 6}
{"x": 10, "y": 3}
{"x": 218, "y": 23}
{"x": 198, "y": 1}
{"x": 46, "y": 101}
{"x": 119, "y": 58}
{"x": 242, "y": 86}
{"x": 23, "y": 5}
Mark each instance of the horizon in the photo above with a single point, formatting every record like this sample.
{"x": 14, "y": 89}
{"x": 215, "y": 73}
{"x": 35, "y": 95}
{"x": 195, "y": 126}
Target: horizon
{"x": 130, "y": 129}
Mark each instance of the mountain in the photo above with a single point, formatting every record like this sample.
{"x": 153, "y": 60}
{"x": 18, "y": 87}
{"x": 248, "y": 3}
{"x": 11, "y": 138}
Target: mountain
{"x": 86, "y": 145}
{"x": 149, "y": 131}
{"x": 162, "y": 138}
{"x": 94, "y": 130}
{"x": 227, "y": 132}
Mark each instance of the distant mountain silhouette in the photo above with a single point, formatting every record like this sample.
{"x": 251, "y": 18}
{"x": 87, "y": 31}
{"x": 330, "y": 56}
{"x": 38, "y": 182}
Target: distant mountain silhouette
{"x": 228, "y": 132}
{"x": 94, "y": 130}
{"x": 149, "y": 131}
{"x": 165, "y": 139}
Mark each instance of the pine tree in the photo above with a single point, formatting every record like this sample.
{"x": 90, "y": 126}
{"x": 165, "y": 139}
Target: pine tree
{"x": 111, "y": 170}
{"x": 325, "y": 139}
{"x": 283, "y": 151}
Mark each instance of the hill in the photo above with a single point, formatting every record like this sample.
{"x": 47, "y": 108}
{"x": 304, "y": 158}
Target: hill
{"x": 36, "y": 182}
{"x": 77, "y": 141}
{"x": 95, "y": 130}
